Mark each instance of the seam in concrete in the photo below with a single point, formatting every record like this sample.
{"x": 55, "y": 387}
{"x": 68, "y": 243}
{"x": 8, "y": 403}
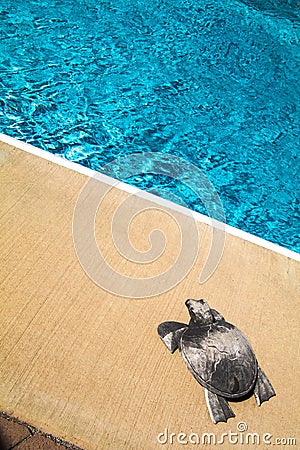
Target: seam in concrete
{"x": 21, "y": 441}
{"x": 33, "y": 431}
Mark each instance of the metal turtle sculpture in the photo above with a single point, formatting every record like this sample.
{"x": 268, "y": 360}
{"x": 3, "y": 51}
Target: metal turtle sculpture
{"x": 219, "y": 357}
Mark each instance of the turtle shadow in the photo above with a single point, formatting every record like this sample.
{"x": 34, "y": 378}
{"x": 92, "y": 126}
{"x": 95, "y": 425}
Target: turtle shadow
{"x": 241, "y": 399}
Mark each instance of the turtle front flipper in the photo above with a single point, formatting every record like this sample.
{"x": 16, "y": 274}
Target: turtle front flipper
{"x": 263, "y": 389}
{"x": 170, "y": 333}
{"x": 218, "y": 407}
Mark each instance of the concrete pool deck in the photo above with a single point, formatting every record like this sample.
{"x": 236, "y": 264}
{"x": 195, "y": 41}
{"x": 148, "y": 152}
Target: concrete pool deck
{"x": 86, "y": 365}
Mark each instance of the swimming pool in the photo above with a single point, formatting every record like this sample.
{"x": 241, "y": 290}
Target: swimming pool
{"x": 212, "y": 82}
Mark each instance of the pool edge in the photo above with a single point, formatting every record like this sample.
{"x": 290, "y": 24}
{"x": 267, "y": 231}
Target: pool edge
{"x": 21, "y": 145}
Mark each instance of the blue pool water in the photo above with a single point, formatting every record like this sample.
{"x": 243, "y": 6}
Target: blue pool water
{"x": 214, "y": 82}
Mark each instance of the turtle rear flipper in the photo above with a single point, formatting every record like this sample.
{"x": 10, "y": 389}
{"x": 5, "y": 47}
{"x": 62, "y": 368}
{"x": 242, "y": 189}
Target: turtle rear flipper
{"x": 170, "y": 333}
{"x": 218, "y": 407}
{"x": 263, "y": 389}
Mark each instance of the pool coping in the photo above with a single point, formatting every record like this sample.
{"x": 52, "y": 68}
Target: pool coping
{"x": 21, "y": 145}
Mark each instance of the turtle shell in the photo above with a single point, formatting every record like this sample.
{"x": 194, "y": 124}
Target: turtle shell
{"x": 220, "y": 358}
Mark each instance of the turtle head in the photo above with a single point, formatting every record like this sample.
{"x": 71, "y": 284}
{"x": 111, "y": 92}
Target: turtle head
{"x": 200, "y": 312}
